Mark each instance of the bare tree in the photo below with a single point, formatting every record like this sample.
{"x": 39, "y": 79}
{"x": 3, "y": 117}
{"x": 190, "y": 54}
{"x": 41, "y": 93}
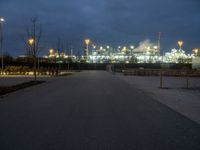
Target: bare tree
{"x": 32, "y": 41}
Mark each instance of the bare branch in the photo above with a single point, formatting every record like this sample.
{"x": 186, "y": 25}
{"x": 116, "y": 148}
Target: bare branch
{"x": 39, "y": 38}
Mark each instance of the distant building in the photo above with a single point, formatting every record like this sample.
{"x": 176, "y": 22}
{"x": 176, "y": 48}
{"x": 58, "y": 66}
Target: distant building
{"x": 144, "y": 54}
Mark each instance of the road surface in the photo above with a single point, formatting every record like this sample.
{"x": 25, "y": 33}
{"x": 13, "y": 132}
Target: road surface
{"x": 91, "y": 111}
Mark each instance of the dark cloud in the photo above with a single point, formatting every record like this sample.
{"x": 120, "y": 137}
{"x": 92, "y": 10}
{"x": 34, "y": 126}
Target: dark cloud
{"x": 111, "y": 22}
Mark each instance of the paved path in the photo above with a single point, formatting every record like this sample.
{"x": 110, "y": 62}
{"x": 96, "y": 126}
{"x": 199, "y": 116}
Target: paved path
{"x": 91, "y": 111}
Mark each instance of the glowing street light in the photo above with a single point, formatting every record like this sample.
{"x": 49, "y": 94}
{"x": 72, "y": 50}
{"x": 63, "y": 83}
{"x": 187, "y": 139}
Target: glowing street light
{"x": 87, "y": 42}
{"x": 196, "y": 51}
{"x": 31, "y": 41}
{"x": 51, "y": 52}
{"x": 2, "y": 20}
{"x": 180, "y": 44}
{"x": 108, "y": 47}
{"x": 132, "y": 47}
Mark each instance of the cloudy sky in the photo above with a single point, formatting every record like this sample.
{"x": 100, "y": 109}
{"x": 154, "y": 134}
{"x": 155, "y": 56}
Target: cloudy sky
{"x": 107, "y": 22}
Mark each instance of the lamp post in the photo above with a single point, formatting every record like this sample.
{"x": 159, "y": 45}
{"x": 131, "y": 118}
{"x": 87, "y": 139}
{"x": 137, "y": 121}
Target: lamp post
{"x": 180, "y": 44}
{"x": 51, "y": 52}
{"x": 108, "y": 49}
{"x": 52, "y": 55}
{"x": 1, "y": 41}
{"x": 31, "y": 43}
{"x": 196, "y": 51}
{"x": 132, "y": 48}
{"x": 87, "y": 42}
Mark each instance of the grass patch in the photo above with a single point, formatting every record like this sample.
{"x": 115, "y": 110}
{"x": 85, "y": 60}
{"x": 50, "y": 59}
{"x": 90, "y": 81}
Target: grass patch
{"x": 8, "y": 89}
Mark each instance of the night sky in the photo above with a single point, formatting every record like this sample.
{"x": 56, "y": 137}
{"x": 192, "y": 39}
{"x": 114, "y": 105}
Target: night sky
{"x": 107, "y": 22}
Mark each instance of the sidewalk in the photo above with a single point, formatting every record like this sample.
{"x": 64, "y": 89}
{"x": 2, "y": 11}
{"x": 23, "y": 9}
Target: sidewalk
{"x": 174, "y": 94}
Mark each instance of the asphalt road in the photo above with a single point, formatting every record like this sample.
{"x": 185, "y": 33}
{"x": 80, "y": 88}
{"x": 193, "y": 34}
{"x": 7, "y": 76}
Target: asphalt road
{"x": 91, "y": 111}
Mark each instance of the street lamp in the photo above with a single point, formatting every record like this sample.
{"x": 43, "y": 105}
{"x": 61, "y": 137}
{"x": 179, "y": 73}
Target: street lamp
{"x": 2, "y": 20}
{"x": 51, "y": 52}
{"x": 196, "y": 51}
{"x": 31, "y": 41}
{"x": 52, "y": 56}
{"x": 180, "y": 44}
{"x": 94, "y": 49}
{"x": 87, "y": 42}
{"x": 108, "y": 49}
{"x": 132, "y": 48}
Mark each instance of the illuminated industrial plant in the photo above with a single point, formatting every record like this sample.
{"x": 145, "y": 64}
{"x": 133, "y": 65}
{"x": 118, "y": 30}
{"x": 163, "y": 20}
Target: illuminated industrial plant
{"x": 146, "y": 52}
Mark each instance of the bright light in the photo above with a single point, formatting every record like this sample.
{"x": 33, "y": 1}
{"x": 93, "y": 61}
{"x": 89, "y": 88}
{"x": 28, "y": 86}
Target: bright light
{"x": 180, "y": 44}
{"x": 94, "y": 46}
{"x": 31, "y": 41}
{"x": 124, "y": 49}
{"x": 108, "y": 47}
{"x": 132, "y": 47}
{"x": 196, "y": 51}
{"x": 155, "y": 47}
{"x": 51, "y": 51}
{"x": 87, "y": 41}
{"x": 2, "y": 19}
